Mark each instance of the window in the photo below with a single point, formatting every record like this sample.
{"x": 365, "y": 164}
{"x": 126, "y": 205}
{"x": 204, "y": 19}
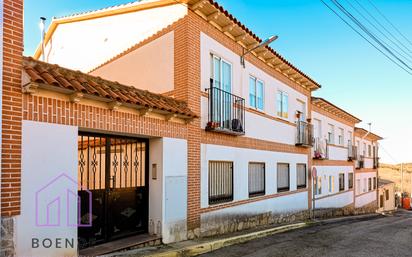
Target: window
{"x": 341, "y": 136}
{"x": 301, "y": 175}
{"x": 365, "y": 184}
{"x": 318, "y": 185}
{"x": 358, "y": 186}
{"x": 341, "y": 181}
{"x": 369, "y": 151}
{"x": 364, "y": 149}
{"x": 331, "y": 134}
{"x": 220, "y": 182}
{"x": 283, "y": 177}
{"x": 221, "y": 74}
{"x": 255, "y": 93}
{"x": 381, "y": 201}
{"x": 386, "y": 194}
{"x": 369, "y": 184}
{"x": 282, "y": 104}
{"x": 374, "y": 183}
{"x": 350, "y": 139}
{"x": 256, "y": 179}
{"x": 350, "y": 180}
{"x": 331, "y": 184}
{"x": 302, "y": 110}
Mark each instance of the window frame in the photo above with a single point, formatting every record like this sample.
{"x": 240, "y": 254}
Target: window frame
{"x": 223, "y": 199}
{"x": 257, "y": 193}
{"x": 212, "y": 71}
{"x": 282, "y": 189}
{"x": 341, "y": 137}
{"x": 341, "y": 179}
{"x": 369, "y": 184}
{"x": 331, "y": 134}
{"x": 297, "y": 175}
{"x": 255, "y": 96}
{"x": 282, "y": 113}
{"x": 350, "y": 175}
{"x": 331, "y": 184}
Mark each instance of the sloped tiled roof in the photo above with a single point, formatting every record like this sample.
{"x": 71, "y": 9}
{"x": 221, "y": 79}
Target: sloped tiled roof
{"x": 333, "y": 109}
{"x": 361, "y": 132}
{"x": 62, "y": 78}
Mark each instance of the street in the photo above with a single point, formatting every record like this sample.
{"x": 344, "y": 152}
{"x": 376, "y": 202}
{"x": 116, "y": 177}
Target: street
{"x": 382, "y": 236}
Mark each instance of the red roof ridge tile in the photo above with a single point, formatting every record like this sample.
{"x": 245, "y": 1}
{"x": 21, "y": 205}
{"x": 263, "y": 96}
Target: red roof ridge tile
{"x": 60, "y": 77}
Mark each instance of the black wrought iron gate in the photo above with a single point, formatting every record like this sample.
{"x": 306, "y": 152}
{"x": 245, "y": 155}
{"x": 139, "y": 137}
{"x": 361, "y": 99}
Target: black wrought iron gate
{"x": 113, "y": 170}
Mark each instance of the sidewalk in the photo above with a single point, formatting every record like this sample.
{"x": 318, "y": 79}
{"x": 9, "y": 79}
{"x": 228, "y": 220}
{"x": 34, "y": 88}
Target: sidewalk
{"x": 205, "y": 245}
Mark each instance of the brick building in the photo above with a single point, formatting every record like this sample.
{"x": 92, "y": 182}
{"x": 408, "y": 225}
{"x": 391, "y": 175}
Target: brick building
{"x": 151, "y": 120}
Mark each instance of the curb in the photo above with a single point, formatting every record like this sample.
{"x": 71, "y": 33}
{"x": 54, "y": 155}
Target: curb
{"x": 205, "y": 247}
{"x": 217, "y": 244}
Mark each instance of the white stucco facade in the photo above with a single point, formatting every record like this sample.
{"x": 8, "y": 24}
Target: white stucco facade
{"x": 260, "y": 126}
{"x": 100, "y": 39}
{"x": 331, "y": 196}
{"x": 363, "y": 194}
{"x": 169, "y": 157}
{"x": 149, "y": 67}
{"x": 43, "y": 146}
{"x": 241, "y": 158}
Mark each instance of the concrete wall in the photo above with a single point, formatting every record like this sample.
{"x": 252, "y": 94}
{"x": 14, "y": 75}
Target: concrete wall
{"x": 95, "y": 41}
{"x": 150, "y": 67}
{"x": 332, "y": 197}
{"x": 241, "y": 158}
{"x": 168, "y": 193}
{"x": 388, "y": 205}
{"x": 263, "y": 128}
{"x": 49, "y": 150}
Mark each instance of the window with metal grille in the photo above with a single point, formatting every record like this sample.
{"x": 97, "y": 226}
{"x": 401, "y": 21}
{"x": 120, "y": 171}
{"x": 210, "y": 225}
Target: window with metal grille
{"x": 341, "y": 181}
{"x": 301, "y": 175}
{"x": 283, "y": 177}
{"x": 256, "y": 179}
{"x": 220, "y": 182}
{"x": 369, "y": 184}
{"x": 350, "y": 180}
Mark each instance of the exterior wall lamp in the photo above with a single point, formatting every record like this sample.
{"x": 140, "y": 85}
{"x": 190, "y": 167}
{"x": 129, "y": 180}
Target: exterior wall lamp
{"x": 262, "y": 44}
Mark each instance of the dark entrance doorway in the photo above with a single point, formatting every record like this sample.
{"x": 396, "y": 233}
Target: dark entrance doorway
{"x": 114, "y": 169}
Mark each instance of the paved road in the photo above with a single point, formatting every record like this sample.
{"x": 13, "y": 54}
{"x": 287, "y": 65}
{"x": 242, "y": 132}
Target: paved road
{"x": 383, "y": 236}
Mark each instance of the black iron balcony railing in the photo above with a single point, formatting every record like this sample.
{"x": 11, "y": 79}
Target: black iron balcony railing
{"x": 360, "y": 163}
{"x": 375, "y": 162}
{"x": 352, "y": 151}
{"x": 226, "y": 111}
{"x": 304, "y": 134}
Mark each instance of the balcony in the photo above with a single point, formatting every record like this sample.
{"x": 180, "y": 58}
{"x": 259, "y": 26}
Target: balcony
{"x": 352, "y": 151}
{"x": 320, "y": 149}
{"x": 304, "y": 135}
{"x": 375, "y": 162}
{"x": 360, "y": 163}
{"x": 226, "y": 111}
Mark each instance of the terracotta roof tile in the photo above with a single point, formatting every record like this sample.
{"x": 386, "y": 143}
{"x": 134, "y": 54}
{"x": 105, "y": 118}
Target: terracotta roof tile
{"x": 59, "y": 77}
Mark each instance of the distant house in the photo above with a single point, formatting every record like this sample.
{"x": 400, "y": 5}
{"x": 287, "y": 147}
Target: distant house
{"x": 386, "y": 195}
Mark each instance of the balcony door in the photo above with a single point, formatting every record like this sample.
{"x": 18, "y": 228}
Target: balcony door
{"x": 222, "y": 79}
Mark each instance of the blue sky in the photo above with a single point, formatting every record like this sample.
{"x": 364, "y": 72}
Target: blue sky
{"x": 353, "y": 75}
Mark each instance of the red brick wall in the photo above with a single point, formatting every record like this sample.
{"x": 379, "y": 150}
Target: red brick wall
{"x": 187, "y": 88}
{"x": 11, "y": 107}
{"x": 58, "y": 111}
